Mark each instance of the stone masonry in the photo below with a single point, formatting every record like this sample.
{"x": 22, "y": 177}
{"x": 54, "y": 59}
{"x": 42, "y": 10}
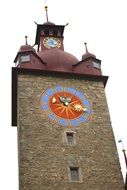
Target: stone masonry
{"x": 45, "y": 156}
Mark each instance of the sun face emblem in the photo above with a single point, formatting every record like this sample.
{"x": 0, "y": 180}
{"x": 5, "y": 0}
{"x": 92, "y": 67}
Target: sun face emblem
{"x": 79, "y": 108}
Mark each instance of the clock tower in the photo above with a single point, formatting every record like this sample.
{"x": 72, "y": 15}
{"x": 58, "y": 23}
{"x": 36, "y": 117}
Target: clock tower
{"x": 65, "y": 138}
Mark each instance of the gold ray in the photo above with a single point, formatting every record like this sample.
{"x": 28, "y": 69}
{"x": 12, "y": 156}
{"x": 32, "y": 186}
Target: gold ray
{"x": 59, "y": 108}
{"x": 59, "y": 104}
{"x": 73, "y": 102}
{"x": 66, "y": 111}
{"x": 71, "y": 111}
{"x": 62, "y": 110}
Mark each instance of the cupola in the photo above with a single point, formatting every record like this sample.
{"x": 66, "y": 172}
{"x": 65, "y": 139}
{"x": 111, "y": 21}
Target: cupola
{"x": 89, "y": 64}
{"x": 58, "y": 60}
{"x": 27, "y": 57}
{"x": 49, "y": 35}
{"x": 87, "y": 54}
{"x": 49, "y": 39}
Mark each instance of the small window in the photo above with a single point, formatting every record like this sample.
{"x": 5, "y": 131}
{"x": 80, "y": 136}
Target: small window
{"x": 70, "y": 137}
{"x": 96, "y": 65}
{"x": 74, "y": 173}
{"x": 25, "y": 58}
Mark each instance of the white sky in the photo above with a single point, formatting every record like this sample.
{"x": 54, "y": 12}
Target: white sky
{"x": 100, "y": 23}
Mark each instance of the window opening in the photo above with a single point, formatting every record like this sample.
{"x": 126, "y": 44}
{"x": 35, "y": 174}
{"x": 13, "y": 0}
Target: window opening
{"x": 25, "y": 58}
{"x": 70, "y": 137}
{"x": 74, "y": 173}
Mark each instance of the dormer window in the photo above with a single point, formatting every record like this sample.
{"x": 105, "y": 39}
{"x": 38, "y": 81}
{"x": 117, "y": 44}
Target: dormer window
{"x": 96, "y": 65}
{"x": 25, "y": 58}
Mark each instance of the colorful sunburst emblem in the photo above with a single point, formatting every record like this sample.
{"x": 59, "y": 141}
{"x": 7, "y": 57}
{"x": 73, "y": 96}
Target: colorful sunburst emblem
{"x": 66, "y": 106}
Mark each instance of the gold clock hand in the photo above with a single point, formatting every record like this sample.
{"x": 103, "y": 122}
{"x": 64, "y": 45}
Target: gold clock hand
{"x": 79, "y": 108}
{"x": 65, "y": 100}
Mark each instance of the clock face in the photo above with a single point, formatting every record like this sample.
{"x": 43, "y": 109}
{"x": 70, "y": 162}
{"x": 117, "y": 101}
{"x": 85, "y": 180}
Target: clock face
{"x": 51, "y": 42}
{"x": 66, "y": 106}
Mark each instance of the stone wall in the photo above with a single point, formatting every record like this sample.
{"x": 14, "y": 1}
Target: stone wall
{"x": 45, "y": 156}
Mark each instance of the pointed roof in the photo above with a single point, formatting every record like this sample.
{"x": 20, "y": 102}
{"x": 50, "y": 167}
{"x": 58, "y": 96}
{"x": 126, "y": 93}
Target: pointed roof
{"x": 87, "y": 54}
{"x": 25, "y": 49}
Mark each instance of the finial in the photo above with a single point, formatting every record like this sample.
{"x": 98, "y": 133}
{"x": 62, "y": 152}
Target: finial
{"x": 46, "y": 9}
{"x": 86, "y": 47}
{"x": 26, "y": 40}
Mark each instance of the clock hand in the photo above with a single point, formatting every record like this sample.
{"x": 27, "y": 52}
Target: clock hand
{"x": 79, "y": 108}
{"x": 62, "y": 99}
{"x": 65, "y": 100}
{"x": 68, "y": 99}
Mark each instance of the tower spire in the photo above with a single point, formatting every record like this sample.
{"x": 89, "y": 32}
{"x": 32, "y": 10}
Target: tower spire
{"x": 26, "y": 37}
{"x": 87, "y": 53}
{"x": 86, "y": 47}
{"x": 46, "y": 9}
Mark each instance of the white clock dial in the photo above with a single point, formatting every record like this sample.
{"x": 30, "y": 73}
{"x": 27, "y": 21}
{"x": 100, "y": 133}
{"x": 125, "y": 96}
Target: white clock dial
{"x": 51, "y": 42}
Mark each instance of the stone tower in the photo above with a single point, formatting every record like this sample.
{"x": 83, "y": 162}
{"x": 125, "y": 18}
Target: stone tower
{"x": 65, "y": 138}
